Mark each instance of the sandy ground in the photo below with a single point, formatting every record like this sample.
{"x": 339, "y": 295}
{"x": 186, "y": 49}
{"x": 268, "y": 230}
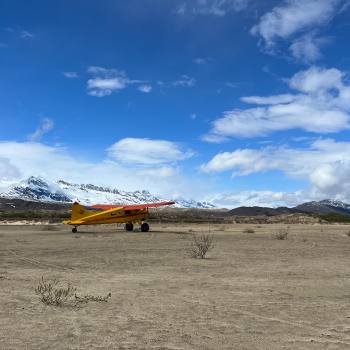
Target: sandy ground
{"x": 253, "y": 291}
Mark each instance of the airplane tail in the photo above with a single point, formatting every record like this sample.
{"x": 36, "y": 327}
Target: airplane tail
{"x": 78, "y": 212}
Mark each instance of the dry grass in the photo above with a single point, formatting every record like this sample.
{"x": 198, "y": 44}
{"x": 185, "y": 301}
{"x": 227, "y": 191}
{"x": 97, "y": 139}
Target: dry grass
{"x": 86, "y": 298}
{"x": 281, "y": 234}
{"x": 51, "y": 293}
{"x": 201, "y": 245}
{"x": 248, "y": 230}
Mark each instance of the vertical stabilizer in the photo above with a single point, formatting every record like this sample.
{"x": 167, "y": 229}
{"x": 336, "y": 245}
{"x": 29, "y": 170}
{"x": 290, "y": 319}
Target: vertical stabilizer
{"x": 78, "y": 212}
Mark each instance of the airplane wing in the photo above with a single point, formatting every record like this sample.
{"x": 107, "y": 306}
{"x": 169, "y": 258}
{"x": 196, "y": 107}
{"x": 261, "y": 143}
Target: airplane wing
{"x": 131, "y": 207}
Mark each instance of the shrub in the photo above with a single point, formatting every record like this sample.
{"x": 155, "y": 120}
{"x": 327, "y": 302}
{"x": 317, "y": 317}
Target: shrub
{"x": 248, "y": 230}
{"x": 281, "y": 234}
{"x": 335, "y": 217}
{"x": 348, "y": 233}
{"x": 200, "y": 245}
{"x": 50, "y": 293}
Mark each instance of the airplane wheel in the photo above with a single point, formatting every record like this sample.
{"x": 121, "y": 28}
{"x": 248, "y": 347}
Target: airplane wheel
{"x": 74, "y": 230}
{"x": 145, "y": 227}
{"x": 129, "y": 226}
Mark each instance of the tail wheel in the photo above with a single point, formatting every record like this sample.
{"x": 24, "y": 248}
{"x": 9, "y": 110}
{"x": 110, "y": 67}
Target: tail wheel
{"x": 74, "y": 230}
{"x": 145, "y": 227}
{"x": 129, "y": 226}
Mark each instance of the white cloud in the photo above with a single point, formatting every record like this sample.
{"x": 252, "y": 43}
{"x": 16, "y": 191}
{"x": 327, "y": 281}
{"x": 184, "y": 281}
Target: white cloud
{"x": 106, "y": 81}
{"x": 19, "y": 160}
{"x": 325, "y": 164}
{"x": 293, "y": 17}
{"x": 145, "y": 88}
{"x": 298, "y": 20}
{"x": 45, "y": 126}
{"x": 211, "y": 7}
{"x": 202, "y": 60}
{"x": 25, "y": 34}
{"x": 7, "y": 170}
{"x": 307, "y": 48}
{"x": 147, "y": 152}
{"x": 269, "y": 100}
{"x": 184, "y": 81}
{"x": 258, "y": 198}
{"x": 71, "y": 74}
{"x": 321, "y": 105}
{"x": 161, "y": 172}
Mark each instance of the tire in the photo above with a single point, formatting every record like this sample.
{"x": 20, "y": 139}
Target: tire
{"x": 129, "y": 226}
{"x": 74, "y": 230}
{"x": 145, "y": 227}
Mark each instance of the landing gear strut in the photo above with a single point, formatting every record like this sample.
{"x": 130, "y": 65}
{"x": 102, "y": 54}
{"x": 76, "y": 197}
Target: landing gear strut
{"x": 129, "y": 226}
{"x": 74, "y": 230}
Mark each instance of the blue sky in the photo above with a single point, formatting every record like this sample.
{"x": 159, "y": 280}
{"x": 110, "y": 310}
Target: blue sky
{"x": 238, "y": 101}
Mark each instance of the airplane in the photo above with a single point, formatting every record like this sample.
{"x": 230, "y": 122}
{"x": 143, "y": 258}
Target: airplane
{"x": 110, "y": 214}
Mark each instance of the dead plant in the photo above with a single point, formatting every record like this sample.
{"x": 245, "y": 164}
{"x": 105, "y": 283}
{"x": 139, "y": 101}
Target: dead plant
{"x": 86, "y": 298}
{"x": 200, "y": 245}
{"x": 51, "y": 293}
{"x": 281, "y": 234}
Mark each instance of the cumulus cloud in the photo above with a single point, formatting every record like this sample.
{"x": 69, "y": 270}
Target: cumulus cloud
{"x": 19, "y": 160}
{"x": 321, "y": 104}
{"x": 147, "y": 151}
{"x": 211, "y": 7}
{"x": 45, "y": 126}
{"x": 297, "y": 20}
{"x": 105, "y": 81}
{"x": 325, "y": 164}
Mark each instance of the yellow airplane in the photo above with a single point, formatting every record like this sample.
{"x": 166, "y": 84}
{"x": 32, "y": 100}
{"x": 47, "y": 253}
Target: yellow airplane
{"x": 111, "y": 214}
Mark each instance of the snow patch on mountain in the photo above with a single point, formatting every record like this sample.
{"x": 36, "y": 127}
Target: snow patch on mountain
{"x": 39, "y": 189}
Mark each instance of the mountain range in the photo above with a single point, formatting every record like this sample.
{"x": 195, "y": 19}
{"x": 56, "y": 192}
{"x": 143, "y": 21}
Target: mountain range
{"x": 39, "y": 189}
{"x": 314, "y": 207}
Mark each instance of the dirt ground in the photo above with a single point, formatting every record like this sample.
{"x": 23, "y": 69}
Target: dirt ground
{"x": 253, "y": 291}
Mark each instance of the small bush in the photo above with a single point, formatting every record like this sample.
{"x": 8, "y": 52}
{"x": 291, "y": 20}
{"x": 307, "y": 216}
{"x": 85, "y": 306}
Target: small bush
{"x": 200, "y": 245}
{"x": 348, "y": 233}
{"x": 248, "y": 230}
{"x": 50, "y": 293}
{"x": 281, "y": 234}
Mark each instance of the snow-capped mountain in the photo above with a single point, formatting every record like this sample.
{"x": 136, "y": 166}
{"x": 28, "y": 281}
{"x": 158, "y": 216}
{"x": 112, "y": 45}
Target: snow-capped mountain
{"x": 325, "y": 206}
{"x": 39, "y": 189}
